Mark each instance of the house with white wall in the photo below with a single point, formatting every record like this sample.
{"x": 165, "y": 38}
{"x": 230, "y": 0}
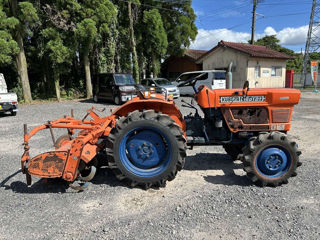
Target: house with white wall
{"x": 261, "y": 66}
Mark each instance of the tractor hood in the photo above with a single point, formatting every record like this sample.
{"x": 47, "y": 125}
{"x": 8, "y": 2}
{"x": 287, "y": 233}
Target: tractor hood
{"x": 286, "y": 97}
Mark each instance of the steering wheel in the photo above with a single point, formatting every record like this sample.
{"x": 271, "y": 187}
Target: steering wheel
{"x": 246, "y": 85}
{"x": 190, "y": 81}
{"x": 140, "y": 89}
{"x": 245, "y": 88}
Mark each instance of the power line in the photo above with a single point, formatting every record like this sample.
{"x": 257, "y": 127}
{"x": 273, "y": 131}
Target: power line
{"x": 289, "y": 14}
{"x": 227, "y": 9}
{"x": 283, "y": 3}
{"x": 151, "y": 6}
{"x": 182, "y": 2}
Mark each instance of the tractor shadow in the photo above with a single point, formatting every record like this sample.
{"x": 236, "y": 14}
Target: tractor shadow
{"x": 39, "y": 186}
{"x": 101, "y": 101}
{"x": 106, "y": 176}
{"x": 222, "y": 165}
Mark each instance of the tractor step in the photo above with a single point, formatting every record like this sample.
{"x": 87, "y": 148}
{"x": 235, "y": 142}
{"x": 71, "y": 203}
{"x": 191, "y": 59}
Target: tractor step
{"x": 195, "y": 140}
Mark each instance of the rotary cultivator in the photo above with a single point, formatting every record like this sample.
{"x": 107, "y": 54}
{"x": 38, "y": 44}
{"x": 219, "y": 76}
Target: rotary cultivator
{"x": 145, "y": 140}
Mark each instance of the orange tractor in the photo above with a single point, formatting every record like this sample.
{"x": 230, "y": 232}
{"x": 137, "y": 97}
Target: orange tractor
{"x": 145, "y": 140}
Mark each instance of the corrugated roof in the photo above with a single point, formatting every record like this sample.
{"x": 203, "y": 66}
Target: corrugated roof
{"x": 194, "y": 54}
{"x": 253, "y": 50}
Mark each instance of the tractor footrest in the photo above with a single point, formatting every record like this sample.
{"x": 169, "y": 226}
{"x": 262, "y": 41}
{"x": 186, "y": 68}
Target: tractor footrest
{"x": 48, "y": 165}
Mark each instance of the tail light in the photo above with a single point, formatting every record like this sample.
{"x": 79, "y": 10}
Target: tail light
{"x": 14, "y": 103}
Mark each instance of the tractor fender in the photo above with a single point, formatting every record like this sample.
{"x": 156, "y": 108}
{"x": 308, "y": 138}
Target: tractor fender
{"x": 158, "y": 105}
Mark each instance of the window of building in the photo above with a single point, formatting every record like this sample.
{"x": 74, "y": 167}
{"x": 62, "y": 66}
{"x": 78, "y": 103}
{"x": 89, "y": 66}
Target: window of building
{"x": 257, "y": 71}
{"x": 276, "y": 71}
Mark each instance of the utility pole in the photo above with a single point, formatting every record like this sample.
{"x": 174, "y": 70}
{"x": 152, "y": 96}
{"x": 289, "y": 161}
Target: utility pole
{"x": 313, "y": 41}
{"x": 253, "y": 20}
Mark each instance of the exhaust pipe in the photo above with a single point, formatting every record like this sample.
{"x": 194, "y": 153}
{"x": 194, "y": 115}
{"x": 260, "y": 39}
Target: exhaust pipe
{"x": 230, "y": 75}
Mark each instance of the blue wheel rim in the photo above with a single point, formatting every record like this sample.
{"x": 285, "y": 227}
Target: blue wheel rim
{"x": 273, "y": 162}
{"x": 145, "y": 151}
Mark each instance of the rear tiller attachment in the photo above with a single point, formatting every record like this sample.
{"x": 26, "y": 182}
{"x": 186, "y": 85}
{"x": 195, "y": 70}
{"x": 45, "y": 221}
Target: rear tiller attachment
{"x": 74, "y": 157}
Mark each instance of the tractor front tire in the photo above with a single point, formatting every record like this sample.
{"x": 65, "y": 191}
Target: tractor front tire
{"x": 270, "y": 159}
{"x": 147, "y": 149}
{"x": 233, "y": 150}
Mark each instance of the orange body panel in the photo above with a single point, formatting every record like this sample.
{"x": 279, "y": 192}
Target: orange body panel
{"x": 49, "y": 164}
{"x": 157, "y": 104}
{"x": 273, "y": 96}
{"x": 278, "y": 102}
{"x": 89, "y": 152}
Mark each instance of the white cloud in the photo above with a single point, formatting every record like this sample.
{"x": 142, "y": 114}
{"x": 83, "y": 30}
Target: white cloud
{"x": 232, "y": 13}
{"x": 239, "y": 2}
{"x": 199, "y": 13}
{"x": 270, "y": 31}
{"x": 293, "y": 36}
{"x": 206, "y": 39}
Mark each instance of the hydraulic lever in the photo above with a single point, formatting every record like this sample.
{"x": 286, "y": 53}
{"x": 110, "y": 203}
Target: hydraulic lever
{"x": 186, "y": 104}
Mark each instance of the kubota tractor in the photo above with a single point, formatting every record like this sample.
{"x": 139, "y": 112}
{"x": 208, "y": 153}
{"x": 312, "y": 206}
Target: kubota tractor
{"x": 144, "y": 141}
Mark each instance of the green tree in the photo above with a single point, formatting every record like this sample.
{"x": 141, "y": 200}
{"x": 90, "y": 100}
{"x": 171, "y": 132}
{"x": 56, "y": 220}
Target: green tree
{"x": 123, "y": 51}
{"x": 87, "y": 32}
{"x": 8, "y": 47}
{"x": 106, "y": 49}
{"x": 133, "y": 41}
{"x": 269, "y": 41}
{"x": 23, "y": 16}
{"x": 59, "y": 55}
{"x": 155, "y": 38}
{"x": 95, "y": 17}
{"x": 179, "y": 24}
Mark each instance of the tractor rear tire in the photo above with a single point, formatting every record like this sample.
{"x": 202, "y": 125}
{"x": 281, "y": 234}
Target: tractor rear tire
{"x": 147, "y": 149}
{"x": 270, "y": 159}
{"x": 233, "y": 150}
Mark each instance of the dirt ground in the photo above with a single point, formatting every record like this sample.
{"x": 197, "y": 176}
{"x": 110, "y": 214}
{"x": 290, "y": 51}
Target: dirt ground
{"x": 210, "y": 199}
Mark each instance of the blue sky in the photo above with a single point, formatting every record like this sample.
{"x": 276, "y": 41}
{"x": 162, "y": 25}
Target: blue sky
{"x": 230, "y": 20}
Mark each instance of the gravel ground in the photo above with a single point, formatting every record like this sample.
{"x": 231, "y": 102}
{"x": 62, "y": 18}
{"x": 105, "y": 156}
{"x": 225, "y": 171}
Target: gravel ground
{"x": 210, "y": 199}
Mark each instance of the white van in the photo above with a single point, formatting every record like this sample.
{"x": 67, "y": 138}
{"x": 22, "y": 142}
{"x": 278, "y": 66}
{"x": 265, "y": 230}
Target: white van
{"x": 214, "y": 79}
